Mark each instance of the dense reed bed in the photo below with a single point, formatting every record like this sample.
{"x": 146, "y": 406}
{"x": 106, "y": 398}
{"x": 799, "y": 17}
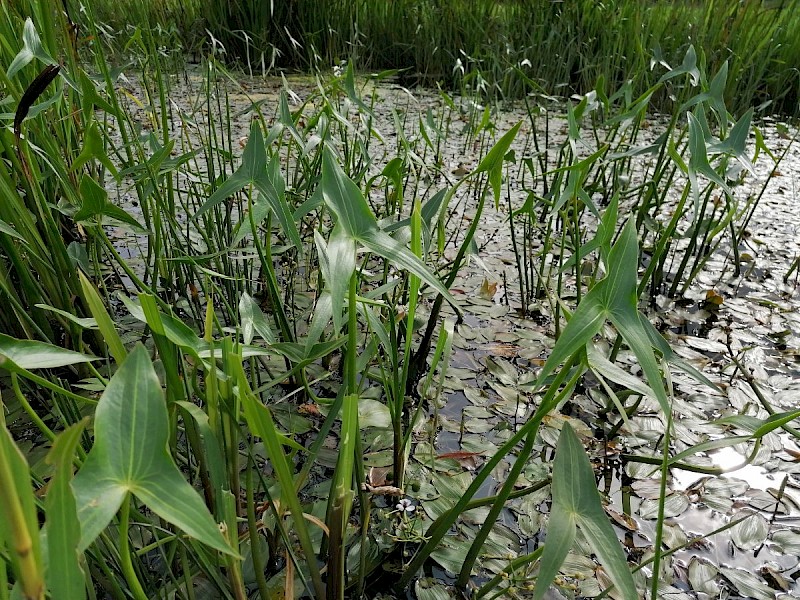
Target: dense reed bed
{"x": 498, "y": 48}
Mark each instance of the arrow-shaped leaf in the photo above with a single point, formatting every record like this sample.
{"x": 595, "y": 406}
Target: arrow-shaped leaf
{"x": 95, "y": 203}
{"x": 576, "y": 501}
{"x": 492, "y": 163}
{"x": 356, "y": 220}
{"x": 253, "y": 171}
{"x": 130, "y": 455}
{"x": 698, "y": 162}
{"x": 31, "y": 48}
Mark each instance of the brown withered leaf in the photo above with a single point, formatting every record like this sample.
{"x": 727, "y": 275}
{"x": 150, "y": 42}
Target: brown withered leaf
{"x": 487, "y": 289}
{"x": 467, "y": 460}
{"x": 503, "y": 349}
{"x": 377, "y": 476}
{"x": 383, "y": 490}
{"x": 310, "y": 410}
{"x": 625, "y": 521}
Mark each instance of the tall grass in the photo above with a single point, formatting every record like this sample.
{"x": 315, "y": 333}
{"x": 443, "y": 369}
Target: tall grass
{"x": 565, "y": 47}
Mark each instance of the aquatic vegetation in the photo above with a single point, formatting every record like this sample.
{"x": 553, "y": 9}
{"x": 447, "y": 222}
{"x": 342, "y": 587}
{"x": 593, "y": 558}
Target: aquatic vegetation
{"x": 328, "y": 337}
{"x": 502, "y": 48}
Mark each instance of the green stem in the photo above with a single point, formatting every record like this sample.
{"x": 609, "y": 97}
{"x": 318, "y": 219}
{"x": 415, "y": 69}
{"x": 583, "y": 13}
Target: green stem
{"x": 352, "y": 336}
{"x": 662, "y": 497}
{"x": 510, "y": 568}
{"x": 46, "y": 431}
{"x": 255, "y": 538}
{"x": 494, "y": 512}
{"x": 20, "y": 541}
{"x": 125, "y": 551}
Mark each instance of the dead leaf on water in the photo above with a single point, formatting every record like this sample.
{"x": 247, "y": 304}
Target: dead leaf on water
{"x": 467, "y": 460}
{"x": 625, "y": 521}
{"x": 503, "y": 349}
{"x": 487, "y": 289}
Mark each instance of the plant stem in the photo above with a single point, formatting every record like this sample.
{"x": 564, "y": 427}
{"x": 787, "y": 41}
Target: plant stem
{"x": 125, "y": 552}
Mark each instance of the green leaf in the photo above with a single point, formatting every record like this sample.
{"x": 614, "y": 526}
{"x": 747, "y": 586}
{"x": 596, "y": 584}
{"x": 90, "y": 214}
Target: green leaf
{"x": 715, "y": 96}
{"x": 19, "y": 526}
{"x": 561, "y": 528}
{"x": 211, "y": 446}
{"x": 276, "y": 199}
{"x": 736, "y": 142}
{"x": 619, "y": 291}
{"x": 30, "y": 354}
{"x": 341, "y": 498}
{"x": 91, "y": 98}
{"x": 253, "y": 171}
{"x": 602, "y": 238}
{"x": 431, "y": 589}
{"x": 775, "y": 421}
{"x": 337, "y": 261}
{"x": 400, "y": 255}
{"x": 104, "y": 322}
{"x": 31, "y": 48}
{"x": 577, "y": 501}
{"x": 492, "y": 163}
{"x": 630, "y": 327}
{"x": 94, "y": 149}
{"x": 613, "y": 298}
{"x": 130, "y": 455}
{"x": 344, "y": 198}
{"x": 78, "y": 255}
{"x": 689, "y": 67}
{"x": 698, "y": 163}
{"x": 584, "y": 324}
{"x": 260, "y": 209}
{"x": 253, "y": 320}
{"x": 319, "y": 321}
{"x": 95, "y": 203}
{"x": 10, "y": 231}
{"x": 261, "y": 423}
{"x": 725, "y": 442}
{"x": 352, "y": 212}
{"x": 175, "y": 330}
{"x": 349, "y": 85}
{"x": 85, "y": 323}
{"x": 64, "y": 573}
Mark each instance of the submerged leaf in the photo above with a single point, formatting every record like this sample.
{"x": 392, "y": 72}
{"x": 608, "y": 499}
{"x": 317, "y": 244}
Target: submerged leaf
{"x": 747, "y": 584}
{"x": 702, "y": 575}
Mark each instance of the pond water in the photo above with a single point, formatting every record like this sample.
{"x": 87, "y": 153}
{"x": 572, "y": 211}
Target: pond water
{"x": 740, "y": 329}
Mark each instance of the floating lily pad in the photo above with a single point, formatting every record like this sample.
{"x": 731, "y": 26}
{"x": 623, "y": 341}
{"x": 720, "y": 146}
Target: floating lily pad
{"x": 747, "y": 584}
{"x": 675, "y": 504}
